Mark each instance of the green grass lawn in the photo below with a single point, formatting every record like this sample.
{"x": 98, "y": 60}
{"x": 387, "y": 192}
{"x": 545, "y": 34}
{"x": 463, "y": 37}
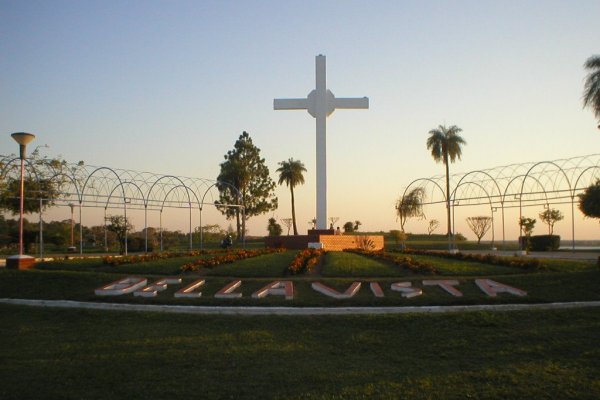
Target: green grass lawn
{"x": 340, "y": 264}
{"x": 73, "y": 354}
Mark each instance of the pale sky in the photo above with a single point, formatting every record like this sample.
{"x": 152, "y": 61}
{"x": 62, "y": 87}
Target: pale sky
{"x": 168, "y": 86}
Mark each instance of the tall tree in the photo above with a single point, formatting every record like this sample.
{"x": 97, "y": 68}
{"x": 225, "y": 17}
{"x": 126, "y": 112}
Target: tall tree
{"x": 244, "y": 180}
{"x": 445, "y": 145}
{"x": 290, "y": 173}
{"x": 591, "y": 93}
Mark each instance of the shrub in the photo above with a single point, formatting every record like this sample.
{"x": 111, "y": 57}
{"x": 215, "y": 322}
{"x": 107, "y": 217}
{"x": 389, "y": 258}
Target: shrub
{"x": 305, "y": 261}
{"x": 544, "y": 242}
{"x": 517, "y": 262}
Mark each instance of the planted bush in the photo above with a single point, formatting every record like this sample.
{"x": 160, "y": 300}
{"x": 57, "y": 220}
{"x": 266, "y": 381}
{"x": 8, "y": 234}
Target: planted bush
{"x": 517, "y": 262}
{"x": 140, "y": 258}
{"x": 305, "y": 261}
{"x": 544, "y": 242}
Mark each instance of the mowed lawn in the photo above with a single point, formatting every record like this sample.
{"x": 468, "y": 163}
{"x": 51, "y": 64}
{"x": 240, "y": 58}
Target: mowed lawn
{"x": 89, "y": 354}
{"x": 86, "y": 354}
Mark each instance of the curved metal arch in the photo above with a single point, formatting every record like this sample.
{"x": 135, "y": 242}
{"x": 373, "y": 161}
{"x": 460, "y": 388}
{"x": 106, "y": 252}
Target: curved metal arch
{"x": 542, "y": 163}
{"x": 161, "y": 211}
{"x": 221, "y": 183}
{"x": 581, "y": 174}
{"x": 202, "y": 204}
{"x": 428, "y": 180}
{"x": 165, "y": 177}
{"x": 491, "y": 209}
{"x": 99, "y": 169}
{"x": 520, "y": 194}
{"x": 453, "y": 196}
{"x": 27, "y": 161}
{"x": 73, "y": 181}
{"x": 122, "y": 184}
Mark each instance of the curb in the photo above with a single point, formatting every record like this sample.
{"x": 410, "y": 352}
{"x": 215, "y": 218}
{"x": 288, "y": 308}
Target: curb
{"x": 208, "y": 310}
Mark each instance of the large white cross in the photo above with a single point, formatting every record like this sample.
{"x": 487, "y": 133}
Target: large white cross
{"x": 321, "y": 103}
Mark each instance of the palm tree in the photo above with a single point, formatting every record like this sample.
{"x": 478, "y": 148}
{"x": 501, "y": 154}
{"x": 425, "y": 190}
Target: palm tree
{"x": 591, "y": 94}
{"x": 444, "y": 144}
{"x": 290, "y": 172}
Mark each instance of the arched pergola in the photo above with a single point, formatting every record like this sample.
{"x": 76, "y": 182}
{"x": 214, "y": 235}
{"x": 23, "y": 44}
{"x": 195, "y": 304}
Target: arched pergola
{"x": 110, "y": 188}
{"x": 517, "y": 185}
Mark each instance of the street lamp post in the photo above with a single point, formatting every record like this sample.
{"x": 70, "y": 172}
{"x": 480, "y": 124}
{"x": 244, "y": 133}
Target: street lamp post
{"x": 21, "y": 261}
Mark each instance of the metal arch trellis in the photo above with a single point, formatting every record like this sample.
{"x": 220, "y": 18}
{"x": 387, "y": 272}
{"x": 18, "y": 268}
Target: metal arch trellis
{"x": 516, "y": 185}
{"x": 111, "y": 188}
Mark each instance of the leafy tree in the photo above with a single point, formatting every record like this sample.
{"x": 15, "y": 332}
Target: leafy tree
{"x": 410, "y": 205}
{"x": 290, "y": 173}
{"x": 45, "y": 185}
{"x": 357, "y": 225}
{"x": 589, "y": 201}
{"x": 445, "y": 145}
{"x": 349, "y": 227}
{"x": 245, "y": 170}
{"x": 119, "y": 226}
{"x": 479, "y": 226}
{"x": 591, "y": 93}
{"x": 551, "y": 216}
{"x": 210, "y": 233}
{"x": 433, "y": 225}
{"x": 527, "y": 225}
{"x": 274, "y": 228}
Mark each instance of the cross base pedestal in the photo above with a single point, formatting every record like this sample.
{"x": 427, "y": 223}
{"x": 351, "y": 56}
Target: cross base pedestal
{"x": 20, "y": 262}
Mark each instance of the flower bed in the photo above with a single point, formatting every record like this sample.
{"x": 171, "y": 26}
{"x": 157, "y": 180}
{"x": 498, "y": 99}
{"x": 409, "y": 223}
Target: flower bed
{"x": 228, "y": 257}
{"x": 532, "y": 264}
{"x": 140, "y": 258}
{"x": 405, "y": 262}
{"x": 305, "y": 261}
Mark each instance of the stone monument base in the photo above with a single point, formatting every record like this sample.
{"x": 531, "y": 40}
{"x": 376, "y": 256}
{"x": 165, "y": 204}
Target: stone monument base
{"x": 327, "y": 241}
{"x": 20, "y": 262}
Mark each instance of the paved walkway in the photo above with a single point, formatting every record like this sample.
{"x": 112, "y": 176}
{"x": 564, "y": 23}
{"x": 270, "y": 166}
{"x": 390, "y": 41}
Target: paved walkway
{"x": 206, "y": 310}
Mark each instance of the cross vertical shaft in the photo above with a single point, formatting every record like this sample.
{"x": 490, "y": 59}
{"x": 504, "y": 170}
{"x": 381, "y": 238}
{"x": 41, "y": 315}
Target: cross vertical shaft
{"x": 321, "y": 129}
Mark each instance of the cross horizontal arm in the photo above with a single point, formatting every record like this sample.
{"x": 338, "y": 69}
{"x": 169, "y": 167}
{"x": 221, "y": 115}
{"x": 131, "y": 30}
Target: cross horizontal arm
{"x": 290, "y": 104}
{"x": 352, "y": 103}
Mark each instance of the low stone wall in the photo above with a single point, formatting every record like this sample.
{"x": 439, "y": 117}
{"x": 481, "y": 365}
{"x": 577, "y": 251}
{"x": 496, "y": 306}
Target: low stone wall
{"x": 342, "y": 242}
{"x": 330, "y": 242}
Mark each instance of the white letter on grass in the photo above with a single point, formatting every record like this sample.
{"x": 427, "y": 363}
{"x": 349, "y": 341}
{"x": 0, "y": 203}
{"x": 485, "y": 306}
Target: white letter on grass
{"x": 122, "y": 286}
{"x": 406, "y": 290}
{"x": 492, "y": 288}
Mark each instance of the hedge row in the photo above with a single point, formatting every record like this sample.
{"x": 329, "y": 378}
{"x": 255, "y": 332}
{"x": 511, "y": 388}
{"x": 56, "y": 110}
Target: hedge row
{"x": 305, "y": 261}
{"x": 531, "y": 264}
{"x": 140, "y": 258}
